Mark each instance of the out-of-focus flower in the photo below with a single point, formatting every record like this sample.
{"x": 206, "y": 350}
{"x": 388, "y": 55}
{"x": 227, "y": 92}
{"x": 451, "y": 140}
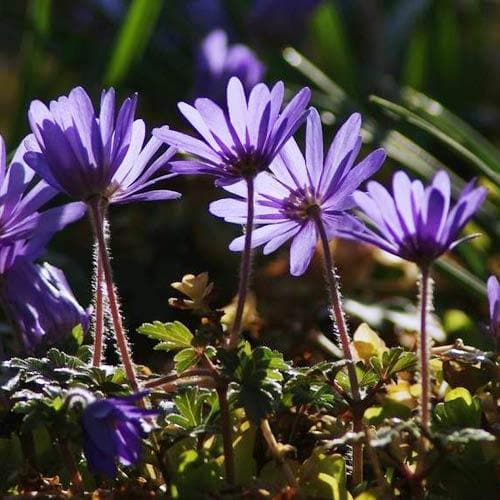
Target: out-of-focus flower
{"x": 21, "y": 198}
{"x": 37, "y": 298}
{"x": 113, "y": 433}
{"x": 415, "y": 223}
{"x": 302, "y": 192}
{"x": 494, "y": 301}
{"x": 242, "y": 142}
{"x": 217, "y": 62}
{"x": 86, "y": 155}
{"x": 279, "y": 22}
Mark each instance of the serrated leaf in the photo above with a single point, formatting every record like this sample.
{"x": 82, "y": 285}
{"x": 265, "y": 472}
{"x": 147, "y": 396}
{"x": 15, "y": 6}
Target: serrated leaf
{"x": 172, "y": 336}
{"x": 258, "y": 373}
{"x": 186, "y": 359}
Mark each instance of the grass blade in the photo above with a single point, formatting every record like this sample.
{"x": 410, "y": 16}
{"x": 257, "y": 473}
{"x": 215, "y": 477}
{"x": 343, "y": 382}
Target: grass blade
{"x": 133, "y": 38}
{"x": 439, "y": 134}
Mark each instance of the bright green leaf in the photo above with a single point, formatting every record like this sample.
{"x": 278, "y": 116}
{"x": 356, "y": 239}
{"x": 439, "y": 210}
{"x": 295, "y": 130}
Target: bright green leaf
{"x": 172, "y": 336}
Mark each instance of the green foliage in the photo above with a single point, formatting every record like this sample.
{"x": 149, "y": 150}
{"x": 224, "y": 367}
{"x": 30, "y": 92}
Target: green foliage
{"x": 195, "y": 409}
{"x": 133, "y": 38}
{"x": 459, "y": 409}
{"x": 197, "y": 476}
{"x": 172, "y": 336}
{"x": 310, "y": 387}
{"x": 392, "y": 362}
{"x": 323, "y": 476}
{"x": 258, "y": 375}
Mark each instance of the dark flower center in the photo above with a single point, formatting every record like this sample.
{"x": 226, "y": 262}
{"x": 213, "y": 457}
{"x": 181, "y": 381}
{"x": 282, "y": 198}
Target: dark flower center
{"x": 301, "y": 204}
{"x": 419, "y": 249}
{"x": 246, "y": 164}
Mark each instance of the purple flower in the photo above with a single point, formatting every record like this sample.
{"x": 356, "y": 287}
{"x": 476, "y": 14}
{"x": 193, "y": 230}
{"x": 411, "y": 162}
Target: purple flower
{"x": 113, "y": 433}
{"x": 21, "y": 198}
{"x": 494, "y": 300}
{"x": 239, "y": 143}
{"x": 85, "y": 154}
{"x": 416, "y": 223}
{"x": 37, "y": 298}
{"x": 303, "y": 192}
{"x": 217, "y": 63}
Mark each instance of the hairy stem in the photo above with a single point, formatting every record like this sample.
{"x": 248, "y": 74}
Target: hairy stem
{"x": 424, "y": 346}
{"x": 99, "y": 310}
{"x": 277, "y": 452}
{"x": 245, "y": 268}
{"x": 97, "y": 214}
{"x": 343, "y": 335}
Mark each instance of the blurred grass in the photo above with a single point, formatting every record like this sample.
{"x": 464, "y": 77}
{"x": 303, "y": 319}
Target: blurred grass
{"x": 36, "y": 34}
{"x": 133, "y": 37}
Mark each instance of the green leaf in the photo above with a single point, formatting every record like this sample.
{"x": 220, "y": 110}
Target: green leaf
{"x": 417, "y": 61}
{"x": 194, "y": 407}
{"x": 172, "y": 336}
{"x": 323, "y": 476}
{"x": 375, "y": 415}
{"x": 133, "y": 38}
{"x": 258, "y": 373}
{"x": 198, "y": 476}
{"x": 459, "y": 409}
{"x": 186, "y": 359}
{"x": 77, "y": 334}
{"x": 245, "y": 464}
{"x": 393, "y": 361}
{"x": 327, "y": 33}
{"x": 441, "y": 117}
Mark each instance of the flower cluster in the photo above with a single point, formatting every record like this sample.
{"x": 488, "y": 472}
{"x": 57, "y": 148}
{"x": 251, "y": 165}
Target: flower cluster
{"x": 298, "y": 192}
{"x": 279, "y": 192}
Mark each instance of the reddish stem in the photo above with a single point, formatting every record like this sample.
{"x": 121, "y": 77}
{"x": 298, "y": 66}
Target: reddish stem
{"x": 340, "y": 322}
{"x": 97, "y": 218}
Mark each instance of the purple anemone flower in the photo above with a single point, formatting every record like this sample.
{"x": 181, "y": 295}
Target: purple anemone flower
{"x": 113, "y": 433}
{"x": 37, "y": 297}
{"x": 494, "y": 300}
{"x": 300, "y": 193}
{"x": 86, "y": 155}
{"x": 22, "y": 196}
{"x": 416, "y": 223}
{"x": 239, "y": 143}
{"x": 217, "y": 62}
